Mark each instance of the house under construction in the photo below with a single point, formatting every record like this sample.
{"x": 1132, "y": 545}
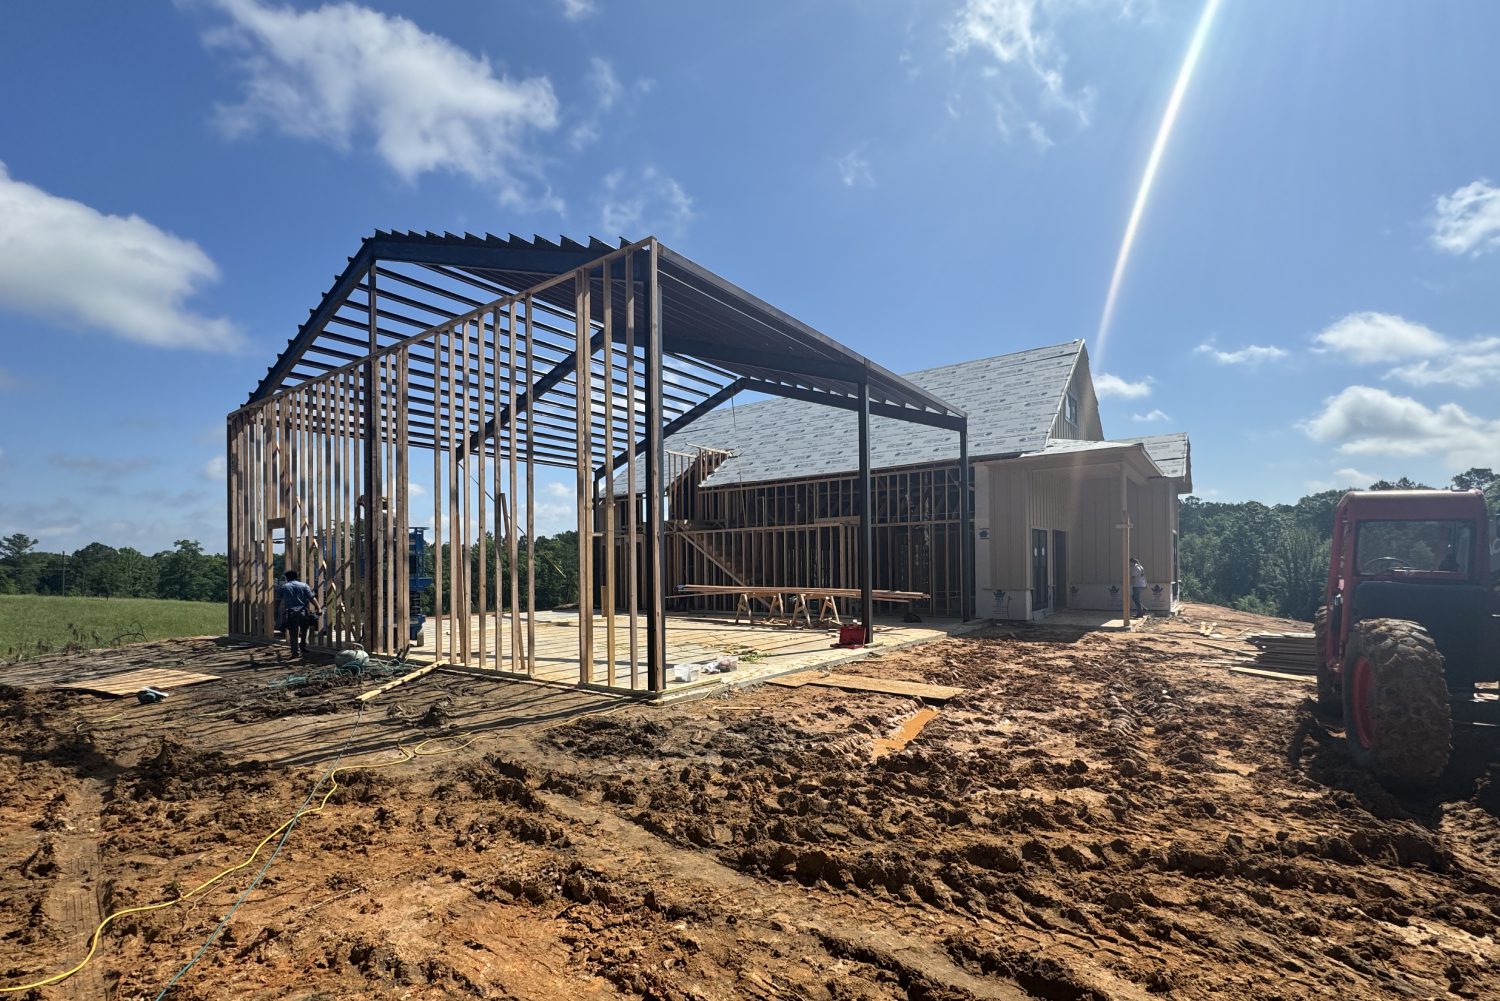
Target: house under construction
{"x": 775, "y": 495}
{"x": 439, "y": 373}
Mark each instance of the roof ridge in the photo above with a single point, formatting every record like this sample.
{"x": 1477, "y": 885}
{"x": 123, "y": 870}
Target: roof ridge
{"x": 1076, "y": 344}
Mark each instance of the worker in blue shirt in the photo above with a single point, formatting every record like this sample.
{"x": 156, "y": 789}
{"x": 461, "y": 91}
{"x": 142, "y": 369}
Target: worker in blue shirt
{"x": 296, "y": 610}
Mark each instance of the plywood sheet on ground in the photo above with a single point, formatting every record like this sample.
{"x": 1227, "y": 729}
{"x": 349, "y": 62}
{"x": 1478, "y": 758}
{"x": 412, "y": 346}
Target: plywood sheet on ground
{"x": 133, "y": 681}
{"x": 885, "y": 686}
{"x": 1278, "y": 675}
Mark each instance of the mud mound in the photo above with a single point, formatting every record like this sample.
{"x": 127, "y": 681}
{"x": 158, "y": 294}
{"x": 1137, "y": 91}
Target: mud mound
{"x": 172, "y": 771}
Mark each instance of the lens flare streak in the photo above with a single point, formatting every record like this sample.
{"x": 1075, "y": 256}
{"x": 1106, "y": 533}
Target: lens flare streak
{"x": 1143, "y": 193}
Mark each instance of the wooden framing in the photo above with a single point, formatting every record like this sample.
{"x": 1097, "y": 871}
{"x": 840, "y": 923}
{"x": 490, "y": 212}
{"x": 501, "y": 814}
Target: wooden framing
{"x": 803, "y": 535}
{"x": 570, "y": 370}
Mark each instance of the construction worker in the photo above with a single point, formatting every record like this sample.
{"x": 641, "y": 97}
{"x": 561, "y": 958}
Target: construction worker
{"x": 297, "y": 610}
{"x": 1137, "y": 585}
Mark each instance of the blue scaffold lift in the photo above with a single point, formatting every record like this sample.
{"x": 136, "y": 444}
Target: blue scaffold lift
{"x": 420, "y": 583}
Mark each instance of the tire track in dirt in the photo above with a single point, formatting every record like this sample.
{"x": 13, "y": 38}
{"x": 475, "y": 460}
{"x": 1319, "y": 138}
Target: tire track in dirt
{"x": 627, "y": 849}
{"x": 73, "y": 903}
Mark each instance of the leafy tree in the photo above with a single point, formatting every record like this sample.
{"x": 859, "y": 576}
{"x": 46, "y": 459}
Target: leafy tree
{"x": 182, "y": 573}
{"x": 1402, "y": 484}
{"x": 92, "y": 570}
{"x": 1475, "y": 478}
{"x": 16, "y": 546}
{"x": 134, "y": 574}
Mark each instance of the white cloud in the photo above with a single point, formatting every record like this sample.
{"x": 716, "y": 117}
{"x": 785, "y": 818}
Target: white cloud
{"x": 101, "y": 466}
{"x": 1150, "y": 418}
{"x": 556, "y": 507}
{"x": 1379, "y": 337}
{"x": 1343, "y": 479}
{"x": 1467, "y": 365}
{"x": 1351, "y": 475}
{"x": 1019, "y": 40}
{"x": 854, "y": 169}
{"x": 214, "y": 469}
{"x": 577, "y": 10}
{"x": 1365, "y": 421}
{"x": 62, "y": 260}
{"x": 346, "y": 75}
{"x": 415, "y": 489}
{"x": 1106, "y": 385}
{"x": 1467, "y": 221}
{"x": 1431, "y": 358}
{"x": 1253, "y": 354}
{"x": 647, "y": 203}
{"x": 608, "y": 92}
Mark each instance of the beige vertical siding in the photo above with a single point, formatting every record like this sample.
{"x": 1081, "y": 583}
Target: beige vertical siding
{"x": 1008, "y": 512}
{"x": 1087, "y": 507}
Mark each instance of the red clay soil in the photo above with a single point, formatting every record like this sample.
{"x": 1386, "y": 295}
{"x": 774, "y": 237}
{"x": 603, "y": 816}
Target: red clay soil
{"x": 1100, "y": 816}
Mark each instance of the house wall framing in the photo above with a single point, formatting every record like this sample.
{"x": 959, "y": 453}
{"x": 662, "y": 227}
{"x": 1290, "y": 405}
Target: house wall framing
{"x": 332, "y": 464}
{"x": 805, "y": 533}
{"x": 567, "y": 371}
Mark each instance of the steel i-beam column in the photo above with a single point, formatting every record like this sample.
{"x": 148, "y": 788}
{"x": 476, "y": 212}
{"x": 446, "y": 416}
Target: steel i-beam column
{"x": 656, "y": 458}
{"x": 372, "y": 486}
{"x": 966, "y": 527}
{"x": 866, "y": 526}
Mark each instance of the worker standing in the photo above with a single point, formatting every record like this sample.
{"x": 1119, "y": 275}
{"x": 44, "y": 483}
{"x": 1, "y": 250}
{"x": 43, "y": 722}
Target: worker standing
{"x": 297, "y": 610}
{"x": 1137, "y": 585}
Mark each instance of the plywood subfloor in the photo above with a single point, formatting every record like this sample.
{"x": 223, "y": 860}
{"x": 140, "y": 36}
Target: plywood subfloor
{"x": 763, "y": 651}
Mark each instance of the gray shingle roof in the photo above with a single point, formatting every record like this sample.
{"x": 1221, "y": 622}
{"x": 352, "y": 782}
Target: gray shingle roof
{"x": 1011, "y": 401}
{"x": 1172, "y": 454}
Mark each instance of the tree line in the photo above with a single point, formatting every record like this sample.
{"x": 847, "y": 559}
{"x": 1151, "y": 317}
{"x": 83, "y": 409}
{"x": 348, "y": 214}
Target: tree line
{"x": 1269, "y": 559}
{"x": 1273, "y": 560}
{"x": 186, "y": 573}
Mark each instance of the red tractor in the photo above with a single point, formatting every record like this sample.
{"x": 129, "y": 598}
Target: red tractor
{"x": 1409, "y": 627}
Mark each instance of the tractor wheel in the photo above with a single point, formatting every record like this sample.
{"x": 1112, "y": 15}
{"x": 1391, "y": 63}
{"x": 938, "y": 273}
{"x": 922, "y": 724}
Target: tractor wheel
{"x": 1396, "y": 714}
{"x": 1330, "y": 699}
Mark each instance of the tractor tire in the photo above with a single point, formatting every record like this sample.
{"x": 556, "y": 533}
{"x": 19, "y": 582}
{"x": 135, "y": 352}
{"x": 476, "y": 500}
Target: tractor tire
{"x": 1330, "y": 698}
{"x": 1396, "y": 715}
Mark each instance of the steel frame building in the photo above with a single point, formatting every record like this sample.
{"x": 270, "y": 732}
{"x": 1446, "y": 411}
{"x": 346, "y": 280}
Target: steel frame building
{"x": 478, "y": 359}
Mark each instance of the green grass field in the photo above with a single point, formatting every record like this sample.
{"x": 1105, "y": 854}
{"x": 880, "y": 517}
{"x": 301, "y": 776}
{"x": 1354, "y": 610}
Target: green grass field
{"x": 33, "y": 625}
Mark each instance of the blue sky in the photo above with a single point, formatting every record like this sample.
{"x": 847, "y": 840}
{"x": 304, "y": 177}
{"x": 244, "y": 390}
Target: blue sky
{"x": 1311, "y": 294}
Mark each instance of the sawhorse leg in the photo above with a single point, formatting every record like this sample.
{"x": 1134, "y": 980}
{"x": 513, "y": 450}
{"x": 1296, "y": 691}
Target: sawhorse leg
{"x": 799, "y": 607}
{"x": 829, "y": 612}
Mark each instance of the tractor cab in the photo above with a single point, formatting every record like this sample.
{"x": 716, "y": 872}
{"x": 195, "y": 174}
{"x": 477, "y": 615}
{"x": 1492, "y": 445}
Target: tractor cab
{"x": 1409, "y": 625}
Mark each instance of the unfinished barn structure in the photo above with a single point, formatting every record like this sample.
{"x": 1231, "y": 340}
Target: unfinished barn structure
{"x": 439, "y": 374}
{"x": 1058, "y": 510}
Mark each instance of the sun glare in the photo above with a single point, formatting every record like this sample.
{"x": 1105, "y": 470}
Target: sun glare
{"x": 1143, "y": 193}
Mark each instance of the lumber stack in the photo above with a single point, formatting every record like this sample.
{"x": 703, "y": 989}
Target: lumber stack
{"x": 1290, "y": 653}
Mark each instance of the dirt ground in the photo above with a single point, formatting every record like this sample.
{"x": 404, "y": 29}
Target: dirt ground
{"x": 1101, "y": 815}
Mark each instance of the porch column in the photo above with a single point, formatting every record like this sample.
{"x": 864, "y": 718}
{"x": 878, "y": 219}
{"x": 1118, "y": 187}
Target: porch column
{"x": 866, "y": 531}
{"x": 1124, "y": 549}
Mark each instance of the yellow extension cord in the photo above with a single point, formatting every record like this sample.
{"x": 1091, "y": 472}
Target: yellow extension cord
{"x": 407, "y": 755}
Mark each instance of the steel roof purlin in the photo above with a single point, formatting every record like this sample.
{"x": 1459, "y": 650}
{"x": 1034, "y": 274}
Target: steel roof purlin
{"x": 711, "y": 328}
